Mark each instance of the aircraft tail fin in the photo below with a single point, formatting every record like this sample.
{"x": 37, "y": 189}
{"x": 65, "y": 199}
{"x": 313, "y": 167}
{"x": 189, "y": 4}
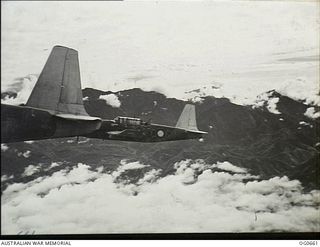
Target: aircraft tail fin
{"x": 58, "y": 87}
{"x": 187, "y": 119}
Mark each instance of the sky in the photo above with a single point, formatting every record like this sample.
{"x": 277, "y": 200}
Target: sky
{"x": 244, "y": 47}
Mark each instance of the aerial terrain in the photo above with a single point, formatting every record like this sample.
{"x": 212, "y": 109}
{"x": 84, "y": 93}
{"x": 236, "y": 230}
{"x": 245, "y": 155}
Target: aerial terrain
{"x": 253, "y": 161}
{"x": 251, "y": 68}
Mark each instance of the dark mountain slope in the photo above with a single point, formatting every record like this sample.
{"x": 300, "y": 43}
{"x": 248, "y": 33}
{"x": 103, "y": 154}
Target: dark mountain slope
{"x": 265, "y": 143}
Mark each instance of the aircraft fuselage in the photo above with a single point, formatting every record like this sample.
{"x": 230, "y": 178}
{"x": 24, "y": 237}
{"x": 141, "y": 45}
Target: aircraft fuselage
{"x": 22, "y": 123}
{"x": 141, "y": 132}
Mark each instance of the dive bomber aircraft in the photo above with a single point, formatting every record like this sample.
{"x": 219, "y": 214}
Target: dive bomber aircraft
{"x": 55, "y": 109}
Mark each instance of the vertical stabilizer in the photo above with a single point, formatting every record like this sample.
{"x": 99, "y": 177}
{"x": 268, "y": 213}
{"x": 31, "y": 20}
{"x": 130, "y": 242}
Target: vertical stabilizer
{"x": 187, "y": 119}
{"x": 58, "y": 87}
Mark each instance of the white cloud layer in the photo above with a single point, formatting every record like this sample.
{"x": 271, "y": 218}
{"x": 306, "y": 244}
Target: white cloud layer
{"x": 247, "y": 47}
{"x": 111, "y": 99}
{"x": 301, "y": 89}
{"x": 194, "y": 199}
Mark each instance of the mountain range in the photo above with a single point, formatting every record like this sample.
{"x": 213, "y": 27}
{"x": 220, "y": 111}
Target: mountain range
{"x": 268, "y": 144}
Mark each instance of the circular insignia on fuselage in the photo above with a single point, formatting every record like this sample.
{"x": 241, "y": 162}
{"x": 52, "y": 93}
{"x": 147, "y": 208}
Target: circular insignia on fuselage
{"x": 160, "y": 133}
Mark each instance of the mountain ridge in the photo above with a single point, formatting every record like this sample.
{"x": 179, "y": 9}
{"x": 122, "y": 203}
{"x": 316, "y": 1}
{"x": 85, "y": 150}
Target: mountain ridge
{"x": 265, "y": 143}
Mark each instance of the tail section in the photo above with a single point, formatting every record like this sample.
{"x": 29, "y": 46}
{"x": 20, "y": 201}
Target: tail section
{"x": 187, "y": 119}
{"x": 58, "y": 87}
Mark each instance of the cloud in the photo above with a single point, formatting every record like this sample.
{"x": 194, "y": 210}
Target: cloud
{"x": 123, "y": 171}
{"x": 131, "y": 165}
{"x": 29, "y": 142}
{"x": 84, "y": 141}
{"x": 4, "y": 147}
{"x": 26, "y": 85}
{"x": 272, "y": 105}
{"x": 227, "y": 166}
{"x": 54, "y": 164}
{"x": 139, "y": 77}
{"x": 30, "y": 170}
{"x": 84, "y": 201}
{"x": 150, "y": 176}
{"x": 312, "y": 113}
{"x": 111, "y": 99}
{"x": 304, "y": 123}
{"x": 171, "y": 42}
{"x": 26, "y": 154}
{"x": 266, "y": 99}
{"x": 301, "y": 89}
{"x": 4, "y": 178}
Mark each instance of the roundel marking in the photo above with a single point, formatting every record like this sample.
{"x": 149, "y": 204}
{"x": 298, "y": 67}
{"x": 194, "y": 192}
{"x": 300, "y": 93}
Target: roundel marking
{"x": 160, "y": 133}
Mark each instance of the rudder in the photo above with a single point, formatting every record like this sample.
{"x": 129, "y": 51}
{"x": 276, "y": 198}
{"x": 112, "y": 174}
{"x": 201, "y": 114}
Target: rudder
{"x": 58, "y": 87}
{"x": 187, "y": 119}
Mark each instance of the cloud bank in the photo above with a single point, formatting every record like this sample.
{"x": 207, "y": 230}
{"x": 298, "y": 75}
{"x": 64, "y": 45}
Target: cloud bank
{"x": 171, "y": 46}
{"x": 198, "y": 197}
{"x": 301, "y": 89}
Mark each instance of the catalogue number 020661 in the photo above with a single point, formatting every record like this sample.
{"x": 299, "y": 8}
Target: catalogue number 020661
{"x": 309, "y": 242}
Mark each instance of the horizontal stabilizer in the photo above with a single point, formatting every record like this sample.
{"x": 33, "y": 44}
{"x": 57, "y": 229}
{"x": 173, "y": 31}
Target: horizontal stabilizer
{"x": 197, "y": 131}
{"x": 77, "y": 117}
{"x": 187, "y": 119}
{"x": 116, "y": 132}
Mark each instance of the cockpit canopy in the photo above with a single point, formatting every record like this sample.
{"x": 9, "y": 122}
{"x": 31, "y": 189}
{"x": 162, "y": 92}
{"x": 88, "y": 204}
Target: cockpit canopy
{"x": 128, "y": 121}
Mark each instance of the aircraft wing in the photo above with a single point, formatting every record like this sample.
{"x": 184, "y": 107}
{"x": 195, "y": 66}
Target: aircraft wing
{"x": 76, "y": 117}
{"x": 195, "y": 131}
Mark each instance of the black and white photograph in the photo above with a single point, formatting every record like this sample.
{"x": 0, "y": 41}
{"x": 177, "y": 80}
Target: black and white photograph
{"x": 160, "y": 117}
